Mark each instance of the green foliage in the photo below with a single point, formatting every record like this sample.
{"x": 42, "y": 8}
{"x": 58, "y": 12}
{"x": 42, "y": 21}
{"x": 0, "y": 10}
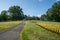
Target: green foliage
{"x": 43, "y": 17}
{"x": 16, "y": 13}
{"x": 13, "y": 13}
{"x": 32, "y": 18}
{"x": 0, "y": 18}
{"x": 53, "y": 13}
{"x": 4, "y": 15}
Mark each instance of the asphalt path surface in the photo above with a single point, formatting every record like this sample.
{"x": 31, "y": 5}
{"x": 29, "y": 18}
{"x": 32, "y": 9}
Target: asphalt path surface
{"x": 12, "y": 33}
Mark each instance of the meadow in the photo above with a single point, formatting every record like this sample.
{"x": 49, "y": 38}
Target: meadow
{"x": 9, "y": 24}
{"x": 53, "y": 26}
{"x": 32, "y": 31}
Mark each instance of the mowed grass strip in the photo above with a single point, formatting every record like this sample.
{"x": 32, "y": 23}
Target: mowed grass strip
{"x": 5, "y": 25}
{"x": 34, "y": 32}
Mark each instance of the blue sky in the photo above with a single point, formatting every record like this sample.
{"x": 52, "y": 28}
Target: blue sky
{"x": 30, "y": 7}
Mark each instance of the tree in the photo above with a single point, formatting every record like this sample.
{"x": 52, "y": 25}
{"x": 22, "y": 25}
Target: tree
{"x": 3, "y": 15}
{"x": 0, "y": 18}
{"x": 16, "y": 13}
{"x": 31, "y": 17}
{"x": 35, "y": 18}
{"x": 53, "y": 13}
{"x": 43, "y": 17}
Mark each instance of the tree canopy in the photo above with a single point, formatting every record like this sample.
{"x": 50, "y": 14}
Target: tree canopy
{"x": 53, "y": 13}
{"x": 3, "y": 15}
{"x": 13, "y": 13}
{"x": 16, "y": 13}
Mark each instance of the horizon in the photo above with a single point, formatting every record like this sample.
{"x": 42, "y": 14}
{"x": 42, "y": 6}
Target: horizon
{"x": 30, "y": 7}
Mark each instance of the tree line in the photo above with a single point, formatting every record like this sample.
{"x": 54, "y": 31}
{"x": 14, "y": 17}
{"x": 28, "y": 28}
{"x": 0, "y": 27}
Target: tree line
{"x": 53, "y": 13}
{"x": 16, "y": 13}
{"x": 13, "y": 13}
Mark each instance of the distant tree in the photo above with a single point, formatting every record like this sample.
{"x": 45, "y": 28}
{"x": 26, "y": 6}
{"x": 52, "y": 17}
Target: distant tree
{"x": 16, "y": 13}
{"x": 38, "y": 18}
{"x": 0, "y": 18}
{"x": 27, "y": 17}
{"x": 35, "y": 18}
{"x": 32, "y": 18}
{"x": 3, "y": 15}
{"x": 43, "y": 17}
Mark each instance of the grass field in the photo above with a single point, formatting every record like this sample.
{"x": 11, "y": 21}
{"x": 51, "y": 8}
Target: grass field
{"x": 53, "y": 26}
{"x": 4, "y": 25}
{"x": 33, "y": 32}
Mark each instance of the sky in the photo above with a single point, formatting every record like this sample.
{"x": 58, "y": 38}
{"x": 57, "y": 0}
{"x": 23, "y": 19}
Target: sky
{"x": 30, "y": 7}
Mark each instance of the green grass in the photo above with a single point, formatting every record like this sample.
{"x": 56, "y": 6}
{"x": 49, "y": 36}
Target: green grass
{"x": 53, "y": 26}
{"x": 5, "y": 25}
{"x": 34, "y": 32}
{"x": 37, "y": 21}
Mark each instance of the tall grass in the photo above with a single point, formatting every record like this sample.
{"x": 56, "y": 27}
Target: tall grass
{"x": 5, "y": 25}
{"x": 53, "y": 26}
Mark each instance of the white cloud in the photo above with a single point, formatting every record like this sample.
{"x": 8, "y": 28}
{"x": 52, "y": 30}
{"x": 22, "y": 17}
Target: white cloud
{"x": 38, "y": 15}
{"x": 58, "y": 0}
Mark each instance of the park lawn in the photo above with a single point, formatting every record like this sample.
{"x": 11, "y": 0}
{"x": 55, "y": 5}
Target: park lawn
{"x": 5, "y": 25}
{"x": 33, "y": 32}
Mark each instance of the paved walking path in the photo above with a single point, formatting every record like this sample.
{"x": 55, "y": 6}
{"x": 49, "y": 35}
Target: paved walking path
{"x": 12, "y": 33}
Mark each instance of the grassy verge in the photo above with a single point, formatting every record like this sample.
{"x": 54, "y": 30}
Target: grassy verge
{"x": 4, "y": 25}
{"x": 34, "y": 32}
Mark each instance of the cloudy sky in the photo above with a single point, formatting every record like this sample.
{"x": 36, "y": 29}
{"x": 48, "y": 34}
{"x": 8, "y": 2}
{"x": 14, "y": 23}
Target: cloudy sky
{"x": 30, "y": 7}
